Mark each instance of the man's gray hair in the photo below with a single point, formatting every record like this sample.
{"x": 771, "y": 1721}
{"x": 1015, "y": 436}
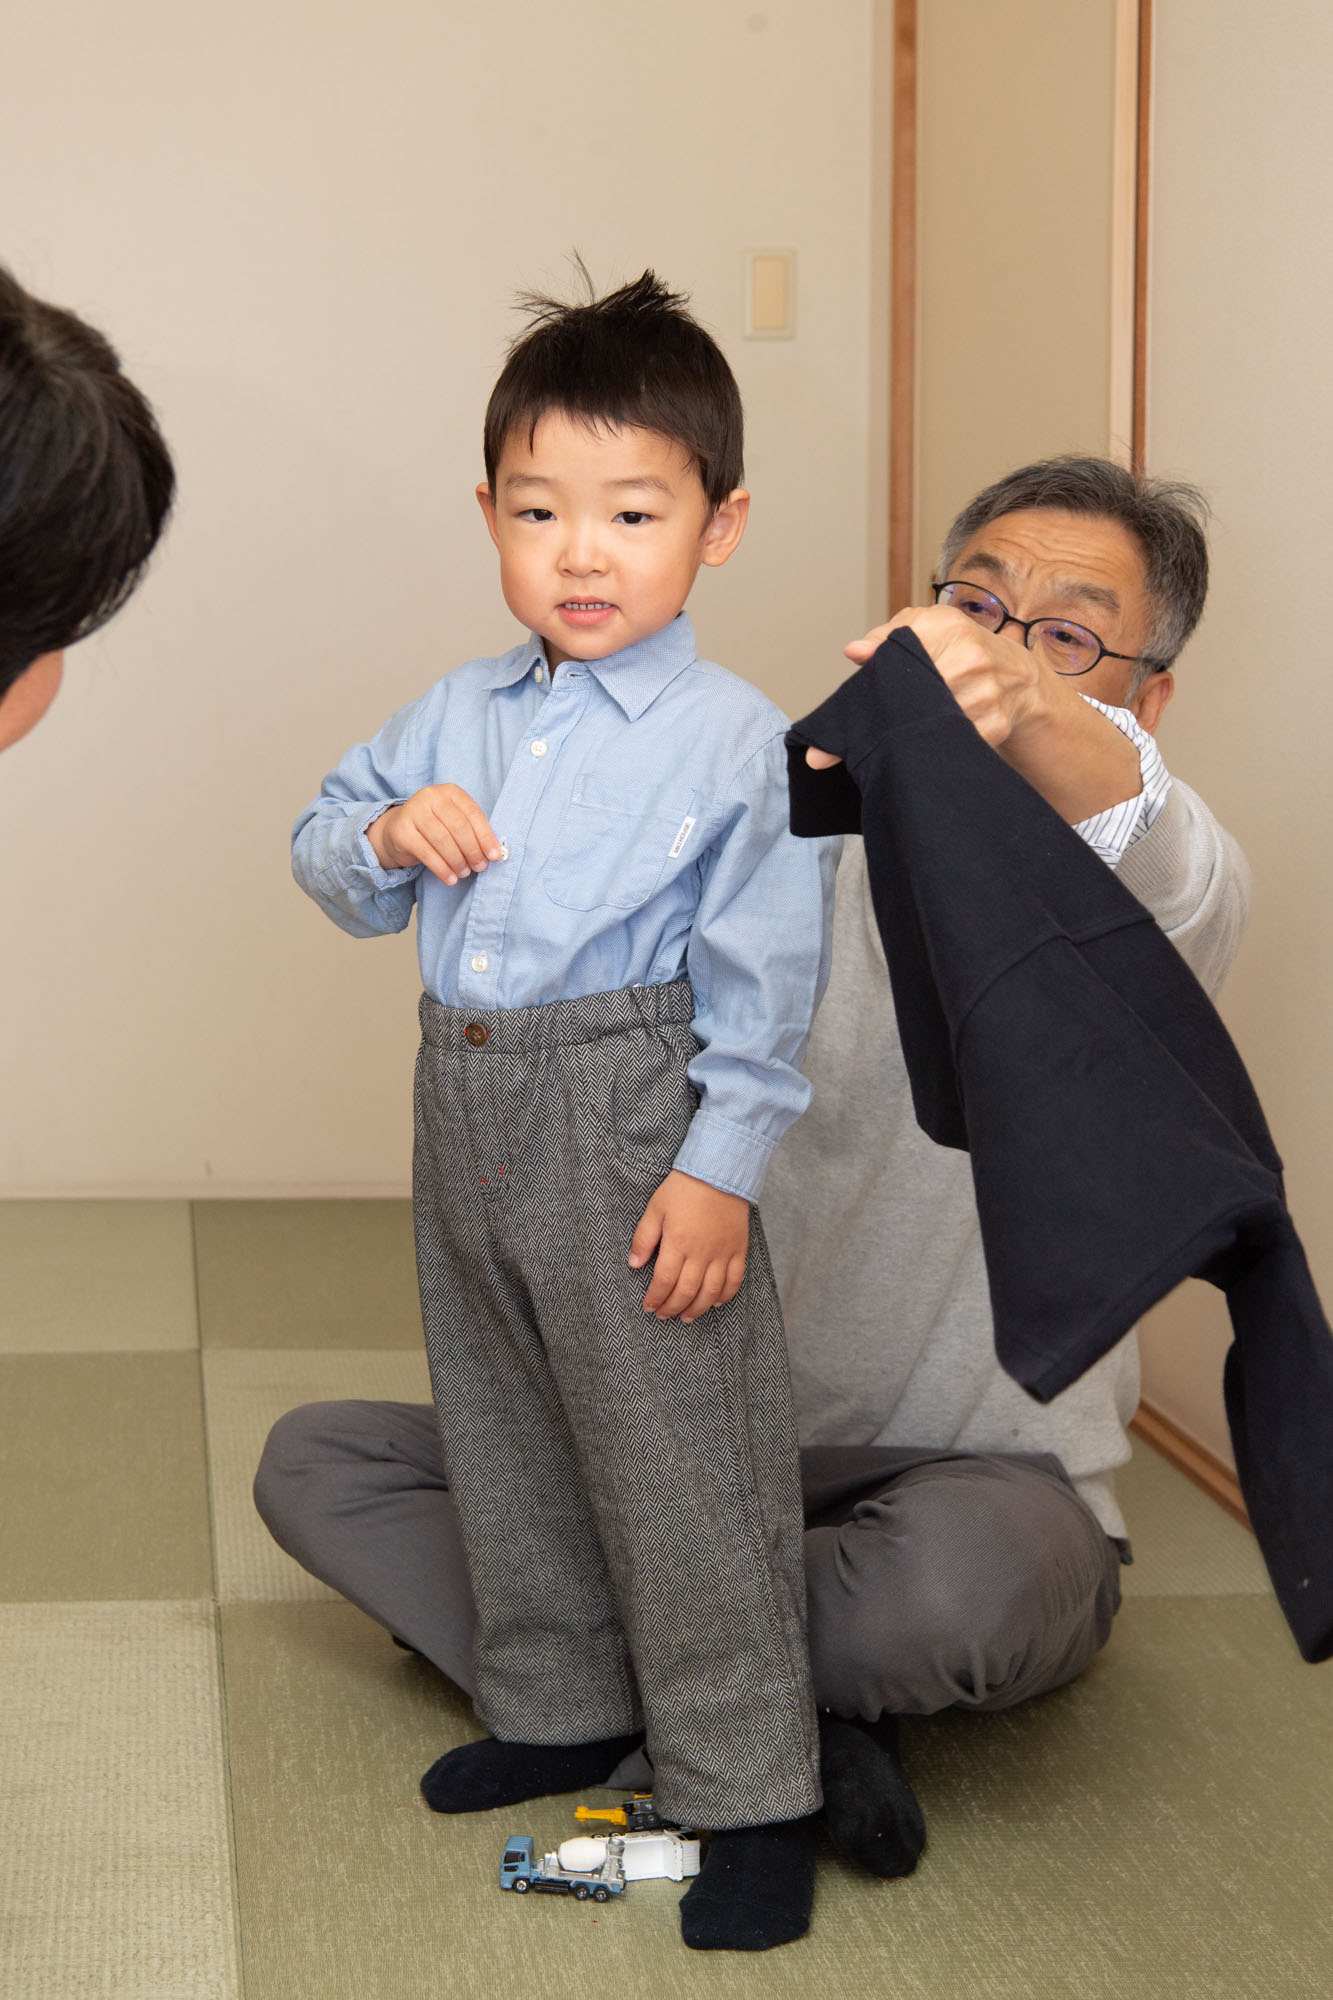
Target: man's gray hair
{"x": 1165, "y": 516}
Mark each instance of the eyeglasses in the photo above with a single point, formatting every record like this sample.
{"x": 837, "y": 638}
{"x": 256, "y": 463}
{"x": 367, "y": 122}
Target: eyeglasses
{"x": 1069, "y": 648}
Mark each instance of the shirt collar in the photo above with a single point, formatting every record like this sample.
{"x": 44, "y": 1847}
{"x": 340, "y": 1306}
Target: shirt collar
{"x": 518, "y": 661}
{"x": 633, "y": 677}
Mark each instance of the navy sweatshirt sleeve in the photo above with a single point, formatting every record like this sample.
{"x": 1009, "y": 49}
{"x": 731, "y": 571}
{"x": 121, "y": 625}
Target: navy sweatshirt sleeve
{"x": 1051, "y": 1029}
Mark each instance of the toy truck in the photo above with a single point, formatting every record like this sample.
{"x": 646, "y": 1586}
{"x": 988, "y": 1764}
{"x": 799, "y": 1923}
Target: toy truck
{"x": 581, "y": 1868}
{"x": 599, "y": 1865}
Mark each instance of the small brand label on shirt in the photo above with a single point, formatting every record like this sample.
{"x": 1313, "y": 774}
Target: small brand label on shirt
{"x": 686, "y": 828}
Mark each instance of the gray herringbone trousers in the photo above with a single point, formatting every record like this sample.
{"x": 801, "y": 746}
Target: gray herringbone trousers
{"x": 628, "y": 1487}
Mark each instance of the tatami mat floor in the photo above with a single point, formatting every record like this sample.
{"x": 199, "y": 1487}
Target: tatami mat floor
{"x": 208, "y": 1762}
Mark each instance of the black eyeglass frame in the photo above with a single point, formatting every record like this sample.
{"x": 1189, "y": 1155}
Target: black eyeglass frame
{"x": 1025, "y": 626}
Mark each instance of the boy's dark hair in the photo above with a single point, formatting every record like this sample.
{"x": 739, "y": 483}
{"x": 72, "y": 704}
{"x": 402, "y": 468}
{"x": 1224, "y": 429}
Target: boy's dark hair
{"x": 85, "y": 480}
{"x": 634, "y": 360}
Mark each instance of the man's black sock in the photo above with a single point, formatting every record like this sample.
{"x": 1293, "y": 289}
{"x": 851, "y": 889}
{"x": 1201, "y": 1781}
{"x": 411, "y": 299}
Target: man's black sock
{"x": 477, "y": 1776}
{"x": 874, "y": 1817}
{"x": 755, "y": 1889}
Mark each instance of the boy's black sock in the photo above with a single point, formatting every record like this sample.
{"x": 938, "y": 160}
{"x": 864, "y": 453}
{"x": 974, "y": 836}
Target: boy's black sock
{"x": 477, "y": 1776}
{"x": 874, "y": 1817}
{"x": 755, "y": 1889}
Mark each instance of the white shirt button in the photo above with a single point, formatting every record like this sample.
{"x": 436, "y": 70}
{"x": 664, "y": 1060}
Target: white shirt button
{"x": 480, "y": 962}
{"x": 504, "y": 850}
{"x": 539, "y": 672}
{"x": 539, "y": 749}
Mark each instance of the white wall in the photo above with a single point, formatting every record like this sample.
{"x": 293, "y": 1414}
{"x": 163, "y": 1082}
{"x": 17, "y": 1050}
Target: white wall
{"x": 1241, "y": 400}
{"x": 303, "y": 223}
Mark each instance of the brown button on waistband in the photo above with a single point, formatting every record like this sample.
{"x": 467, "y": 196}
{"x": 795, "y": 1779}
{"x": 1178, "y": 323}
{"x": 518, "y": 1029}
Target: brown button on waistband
{"x": 476, "y": 1034}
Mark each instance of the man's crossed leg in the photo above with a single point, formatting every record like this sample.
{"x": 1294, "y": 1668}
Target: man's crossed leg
{"x": 935, "y": 1580}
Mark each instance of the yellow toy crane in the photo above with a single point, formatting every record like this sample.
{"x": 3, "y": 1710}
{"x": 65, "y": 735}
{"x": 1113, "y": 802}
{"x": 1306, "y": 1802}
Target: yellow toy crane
{"x": 637, "y": 1815}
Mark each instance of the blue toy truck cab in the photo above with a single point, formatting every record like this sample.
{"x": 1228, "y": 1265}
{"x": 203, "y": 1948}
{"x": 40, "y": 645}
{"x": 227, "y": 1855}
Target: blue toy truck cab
{"x": 516, "y": 1867}
{"x": 520, "y": 1872}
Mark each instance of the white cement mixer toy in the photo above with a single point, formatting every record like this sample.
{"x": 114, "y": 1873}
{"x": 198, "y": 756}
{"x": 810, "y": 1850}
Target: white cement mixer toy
{"x": 596, "y": 1866}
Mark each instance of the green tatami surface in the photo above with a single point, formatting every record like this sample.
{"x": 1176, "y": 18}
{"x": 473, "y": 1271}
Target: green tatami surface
{"x": 306, "y": 1274}
{"x": 210, "y": 1762}
{"x": 102, "y": 1488}
{"x": 1165, "y": 1826}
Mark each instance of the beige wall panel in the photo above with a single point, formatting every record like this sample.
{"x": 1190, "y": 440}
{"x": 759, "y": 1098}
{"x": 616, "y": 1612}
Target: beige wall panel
{"x": 1015, "y": 262}
{"x": 1240, "y": 337}
{"x": 303, "y": 224}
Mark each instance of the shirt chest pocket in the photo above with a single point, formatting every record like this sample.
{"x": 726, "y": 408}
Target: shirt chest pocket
{"x": 617, "y": 838}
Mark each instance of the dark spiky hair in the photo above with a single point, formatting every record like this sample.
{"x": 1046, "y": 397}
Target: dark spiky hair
{"x": 634, "y": 360}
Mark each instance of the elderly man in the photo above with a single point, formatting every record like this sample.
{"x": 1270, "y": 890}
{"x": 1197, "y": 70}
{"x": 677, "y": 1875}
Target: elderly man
{"x": 85, "y": 487}
{"x": 963, "y": 1542}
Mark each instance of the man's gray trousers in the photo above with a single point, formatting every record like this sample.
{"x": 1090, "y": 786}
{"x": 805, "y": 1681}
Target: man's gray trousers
{"x": 626, "y": 1488}
{"x": 935, "y": 1579}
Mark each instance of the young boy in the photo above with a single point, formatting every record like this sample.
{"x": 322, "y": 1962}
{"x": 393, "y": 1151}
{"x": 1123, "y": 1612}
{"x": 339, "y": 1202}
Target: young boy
{"x": 622, "y": 947}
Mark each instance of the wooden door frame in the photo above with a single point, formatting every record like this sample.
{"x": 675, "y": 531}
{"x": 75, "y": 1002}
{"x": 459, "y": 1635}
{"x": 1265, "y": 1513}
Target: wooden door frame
{"x": 903, "y": 307}
{"x": 1143, "y": 140}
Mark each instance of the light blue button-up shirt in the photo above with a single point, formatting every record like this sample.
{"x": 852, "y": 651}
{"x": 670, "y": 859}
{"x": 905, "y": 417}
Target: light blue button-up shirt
{"x": 642, "y": 804}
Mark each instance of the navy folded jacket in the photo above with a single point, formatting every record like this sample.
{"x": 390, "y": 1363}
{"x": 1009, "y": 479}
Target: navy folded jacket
{"x": 1051, "y": 1029}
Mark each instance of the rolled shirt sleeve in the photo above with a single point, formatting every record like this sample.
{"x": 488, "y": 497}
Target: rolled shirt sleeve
{"x": 1111, "y": 833}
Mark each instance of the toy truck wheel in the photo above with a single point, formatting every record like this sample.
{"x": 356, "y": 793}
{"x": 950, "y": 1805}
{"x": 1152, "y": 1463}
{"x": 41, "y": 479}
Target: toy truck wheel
{"x": 522, "y": 1885}
{"x": 581, "y": 1892}
{"x": 601, "y": 1894}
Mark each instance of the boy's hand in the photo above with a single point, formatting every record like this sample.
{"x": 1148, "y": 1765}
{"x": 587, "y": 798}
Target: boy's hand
{"x": 701, "y": 1236}
{"x": 440, "y": 827}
